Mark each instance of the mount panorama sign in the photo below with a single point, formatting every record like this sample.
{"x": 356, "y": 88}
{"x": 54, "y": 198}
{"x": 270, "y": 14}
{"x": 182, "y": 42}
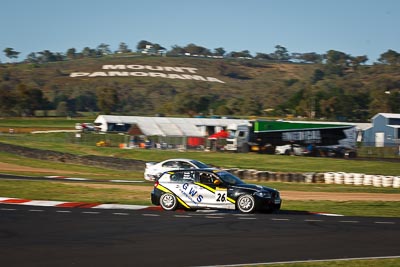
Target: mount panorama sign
{"x": 182, "y": 73}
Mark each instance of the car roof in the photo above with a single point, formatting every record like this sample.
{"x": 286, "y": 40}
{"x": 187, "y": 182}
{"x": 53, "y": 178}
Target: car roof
{"x": 181, "y": 159}
{"x": 198, "y": 170}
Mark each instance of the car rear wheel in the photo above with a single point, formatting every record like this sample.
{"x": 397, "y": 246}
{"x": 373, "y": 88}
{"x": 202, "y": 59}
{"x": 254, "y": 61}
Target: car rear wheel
{"x": 168, "y": 202}
{"x": 246, "y": 203}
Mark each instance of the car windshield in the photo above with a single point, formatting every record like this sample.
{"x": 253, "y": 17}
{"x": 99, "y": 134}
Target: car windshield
{"x": 229, "y": 178}
{"x": 199, "y": 164}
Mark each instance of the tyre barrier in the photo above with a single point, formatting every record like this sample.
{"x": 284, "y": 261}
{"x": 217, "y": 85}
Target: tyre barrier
{"x": 396, "y": 182}
{"x": 368, "y": 179}
{"x": 329, "y": 177}
{"x": 339, "y": 177}
{"x": 349, "y": 178}
{"x": 356, "y": 179}
{"x": 387, "y": 181}
{"x": 377, "y": 180}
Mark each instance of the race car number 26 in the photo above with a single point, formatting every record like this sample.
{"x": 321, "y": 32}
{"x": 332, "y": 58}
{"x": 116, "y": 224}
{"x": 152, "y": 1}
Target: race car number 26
{"x": 221, "y": 195}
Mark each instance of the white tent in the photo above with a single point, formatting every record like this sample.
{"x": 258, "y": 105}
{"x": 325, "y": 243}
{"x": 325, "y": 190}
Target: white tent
{"x": 166, "y": 126}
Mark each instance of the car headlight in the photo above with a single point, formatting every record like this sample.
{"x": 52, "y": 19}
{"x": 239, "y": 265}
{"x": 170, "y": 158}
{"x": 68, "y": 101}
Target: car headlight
{"x": 264, "y": 194}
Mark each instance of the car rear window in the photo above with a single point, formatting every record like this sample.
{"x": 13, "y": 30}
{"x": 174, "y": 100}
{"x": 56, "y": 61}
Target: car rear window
{"x": 199, "y": 164}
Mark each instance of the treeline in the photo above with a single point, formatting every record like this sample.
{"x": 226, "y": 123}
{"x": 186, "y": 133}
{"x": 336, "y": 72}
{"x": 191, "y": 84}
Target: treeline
{"x": 334, "y": 86}
{"x": 281, "y": 53}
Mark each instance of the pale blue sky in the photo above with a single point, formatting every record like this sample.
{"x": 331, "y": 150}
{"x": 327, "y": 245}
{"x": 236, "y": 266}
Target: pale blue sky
{"x": 356, "y": 27}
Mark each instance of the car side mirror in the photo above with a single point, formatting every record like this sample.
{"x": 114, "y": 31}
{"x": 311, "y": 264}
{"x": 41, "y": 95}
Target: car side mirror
{"x": 217, "y": 182}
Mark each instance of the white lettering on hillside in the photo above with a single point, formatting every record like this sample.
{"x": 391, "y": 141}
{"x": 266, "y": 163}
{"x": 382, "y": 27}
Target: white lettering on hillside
{"x": 146, "y": 71}
{"x": 147, "y": 67}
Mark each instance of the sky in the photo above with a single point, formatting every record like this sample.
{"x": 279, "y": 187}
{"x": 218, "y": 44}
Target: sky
{"x": 355, "y": 27}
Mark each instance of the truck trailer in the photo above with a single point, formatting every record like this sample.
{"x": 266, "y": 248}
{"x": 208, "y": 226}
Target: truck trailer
{"x": 264, "y": 135}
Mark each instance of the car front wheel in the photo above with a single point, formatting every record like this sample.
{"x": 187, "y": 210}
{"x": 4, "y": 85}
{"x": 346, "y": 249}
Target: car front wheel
{"x": 168, "y": 202}
{"x": 246, "y": 203}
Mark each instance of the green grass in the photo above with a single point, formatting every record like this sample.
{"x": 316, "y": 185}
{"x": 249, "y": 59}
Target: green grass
{"x": 347, "y": 208}
{"x": 59, "y": 168}
{"x": 61, "y": 191}
{"x": 57, "y": 190}
{"x": 66, "y": 142}
{"x": 41, "y": 122}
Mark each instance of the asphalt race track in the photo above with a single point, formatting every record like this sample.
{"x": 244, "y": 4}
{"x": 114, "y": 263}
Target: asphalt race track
{"x": 49, "y": 236}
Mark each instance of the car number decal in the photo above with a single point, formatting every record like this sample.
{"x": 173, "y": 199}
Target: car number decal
{"x": 221, "y": 195}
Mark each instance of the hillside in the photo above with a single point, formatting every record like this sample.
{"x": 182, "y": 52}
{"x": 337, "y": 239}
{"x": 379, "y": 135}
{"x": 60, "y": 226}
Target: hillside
{"x": 147, "y": 85}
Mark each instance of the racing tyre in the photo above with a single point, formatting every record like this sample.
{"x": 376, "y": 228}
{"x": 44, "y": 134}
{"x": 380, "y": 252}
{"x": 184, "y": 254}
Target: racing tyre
{"x": 168, "y": 202}
{"x": 246, "y": 203}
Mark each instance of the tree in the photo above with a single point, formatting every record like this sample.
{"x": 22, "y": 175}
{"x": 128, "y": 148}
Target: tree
{"x": 107, "y": 99}
{"x": 241, "y": 54}
{"x": 123, "y": 48}
{"x": 71, "y": 53}
{"x": 142, "y": 45}
{"x": 88, "y": 52}
{"x": 86, "y": 101}
{"x": 29, "y": 100}
{"x": 281, "y": 53}
{"x": 11, "y": 53}
{"x": 32, "y": 58}
{"x": 7, "y": 101}
{"x": 263, "y": 56}
{"x": 308, "y": 57}
{"x": 219, "y": 52}
{"x": 251, "y": 106}
{"x": 62, "y": 109}
{"x": 334, "y": 57}
{"x": 103, "y": 49}
{"x": 358, "y": 60}
{"x": 176, "y": 51}
{"x": 185, "y": 103}
{"x": 390, "y": 57}
{"x": 48, "y": 56}
{"x": 196, "y": 50}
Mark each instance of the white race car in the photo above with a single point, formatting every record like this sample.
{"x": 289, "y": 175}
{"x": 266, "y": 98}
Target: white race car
{"x": 153, "y": 169}
{"x": 195, "y": 189}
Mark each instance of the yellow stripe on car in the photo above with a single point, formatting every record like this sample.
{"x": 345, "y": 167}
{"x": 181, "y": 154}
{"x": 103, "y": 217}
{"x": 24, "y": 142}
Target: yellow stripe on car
{"x": 182, "y": 203}
{"x": 213, "y": 190}
{"x": 166, "y": 190}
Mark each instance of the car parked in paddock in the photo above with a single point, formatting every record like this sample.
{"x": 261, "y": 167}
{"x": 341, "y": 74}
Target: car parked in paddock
{"x": 291, "y": 149}
{"x": 154, "y": 169}
{"x": 195, "y": 189}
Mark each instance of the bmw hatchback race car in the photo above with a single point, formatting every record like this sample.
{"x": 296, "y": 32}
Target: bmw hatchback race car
{"x": 214, "y": 189}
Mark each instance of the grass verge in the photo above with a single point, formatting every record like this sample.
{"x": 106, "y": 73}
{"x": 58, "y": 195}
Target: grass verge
{"x": 140, "y": 194}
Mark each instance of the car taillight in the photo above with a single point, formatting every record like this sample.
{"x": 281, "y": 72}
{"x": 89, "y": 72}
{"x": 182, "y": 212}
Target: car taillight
{"x": 156, "y": 184}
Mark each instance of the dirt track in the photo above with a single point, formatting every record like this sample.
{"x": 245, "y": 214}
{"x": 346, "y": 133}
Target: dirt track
{"x": 14, "y": 167}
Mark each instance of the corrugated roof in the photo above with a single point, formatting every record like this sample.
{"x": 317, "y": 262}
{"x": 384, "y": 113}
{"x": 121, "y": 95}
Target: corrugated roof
{"x": 166, "y": 126}
{"x": 388, "y": 115}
